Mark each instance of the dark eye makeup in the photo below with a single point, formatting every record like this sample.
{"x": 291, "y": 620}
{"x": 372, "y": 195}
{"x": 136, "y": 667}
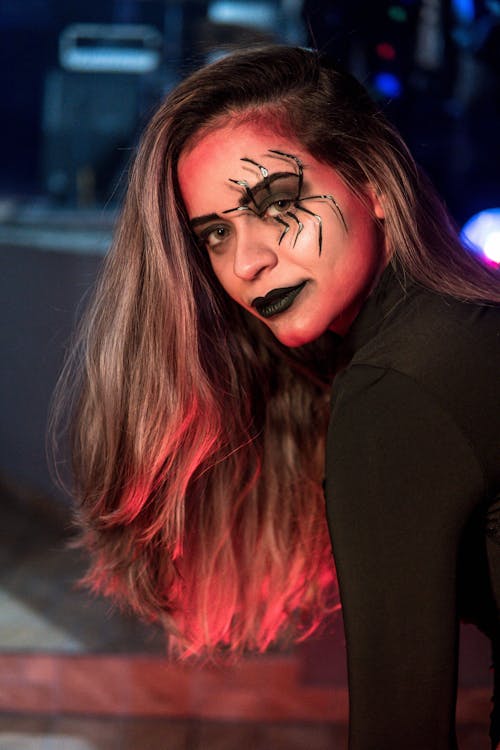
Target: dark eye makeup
{"x": 279, "y": 202}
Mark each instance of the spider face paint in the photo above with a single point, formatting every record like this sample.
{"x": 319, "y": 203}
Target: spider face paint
{"x": 286, "y": 238}
{"x": 296, "y": 198}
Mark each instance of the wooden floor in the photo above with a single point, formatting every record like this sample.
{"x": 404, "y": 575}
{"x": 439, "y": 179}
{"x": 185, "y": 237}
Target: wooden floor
{"x": 115, "y": 702}
{"x": 74, "y": 676}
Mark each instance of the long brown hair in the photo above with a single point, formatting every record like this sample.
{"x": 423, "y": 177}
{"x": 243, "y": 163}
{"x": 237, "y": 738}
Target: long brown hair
{"x": 197, "y": 438}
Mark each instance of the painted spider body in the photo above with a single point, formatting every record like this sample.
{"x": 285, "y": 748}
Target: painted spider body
{"x": 249, "y": 200}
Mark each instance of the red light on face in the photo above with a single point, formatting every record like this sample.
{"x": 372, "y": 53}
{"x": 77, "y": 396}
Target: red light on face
{"x": 386, "y": 51}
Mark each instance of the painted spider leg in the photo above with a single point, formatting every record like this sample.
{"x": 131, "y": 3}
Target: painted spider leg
{"x": 240, "y": 208}
{"x": 284, "y": 224}
{"x": 298, "y": 163}
{"x": 336, "y": 206}
{"x": 264, "y": 172}
{"x": 316, "y": 216}
{"x": 300, "y": 225}
{"x": 276, "y": 218}
{"x": 248, "y": 191}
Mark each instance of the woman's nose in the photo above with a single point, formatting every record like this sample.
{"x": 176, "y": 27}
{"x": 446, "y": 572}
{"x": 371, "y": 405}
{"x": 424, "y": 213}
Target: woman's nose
{"x": 256, "y": 250}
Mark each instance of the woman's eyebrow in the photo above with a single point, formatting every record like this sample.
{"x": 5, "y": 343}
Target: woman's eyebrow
{"x": 204, "y": 219}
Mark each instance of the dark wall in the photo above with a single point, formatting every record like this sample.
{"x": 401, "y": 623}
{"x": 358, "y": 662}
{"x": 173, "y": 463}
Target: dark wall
{"x": 40, "y": 293}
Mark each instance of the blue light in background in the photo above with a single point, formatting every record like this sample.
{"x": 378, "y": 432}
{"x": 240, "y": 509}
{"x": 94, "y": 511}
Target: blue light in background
{"x": 387, "y": 84}
{"x": 464, "y": 10}
{"x": 482, "y": 235}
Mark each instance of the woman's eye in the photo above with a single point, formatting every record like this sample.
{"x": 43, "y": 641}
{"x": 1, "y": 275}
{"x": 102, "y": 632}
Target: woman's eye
{"x": 213, "y": 237}
{"x": 280, "y": 206}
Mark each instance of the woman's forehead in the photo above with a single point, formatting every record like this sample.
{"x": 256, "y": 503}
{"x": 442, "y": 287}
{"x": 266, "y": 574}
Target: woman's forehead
{"x": 220, "y": 162}
{"x": 233, "y": 143}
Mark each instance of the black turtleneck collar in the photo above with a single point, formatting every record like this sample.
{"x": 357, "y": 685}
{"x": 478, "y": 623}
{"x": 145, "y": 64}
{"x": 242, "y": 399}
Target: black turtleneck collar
{"x": 391, "y": 289}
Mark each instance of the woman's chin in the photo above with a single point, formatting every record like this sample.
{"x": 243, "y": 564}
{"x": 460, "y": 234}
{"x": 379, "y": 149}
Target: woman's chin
{"x": 294, "y": 336}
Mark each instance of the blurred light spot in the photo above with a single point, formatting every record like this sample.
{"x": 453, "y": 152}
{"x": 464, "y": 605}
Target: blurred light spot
{"x": 463, "y": 10}
{"x": 397, "y": 13}
{"x": 387, "y": 84}
{"x": 257, "y": 15}
{"x": 385, "y": 51}
{"x": 482, "y": 235}
{"x": 492, "y": 247}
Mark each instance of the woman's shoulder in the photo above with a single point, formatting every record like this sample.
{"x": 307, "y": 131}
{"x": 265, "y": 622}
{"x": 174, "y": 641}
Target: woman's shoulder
{"x": 432, "y": 336}
{"x": 444, "y": 347}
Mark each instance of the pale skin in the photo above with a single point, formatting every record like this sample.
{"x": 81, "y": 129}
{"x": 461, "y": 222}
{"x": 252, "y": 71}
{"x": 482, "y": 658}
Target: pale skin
{"x": 300, "y": 229}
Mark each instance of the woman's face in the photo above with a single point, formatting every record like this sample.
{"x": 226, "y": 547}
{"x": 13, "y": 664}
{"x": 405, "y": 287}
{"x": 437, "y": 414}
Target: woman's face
{"x": 287, "y": 240}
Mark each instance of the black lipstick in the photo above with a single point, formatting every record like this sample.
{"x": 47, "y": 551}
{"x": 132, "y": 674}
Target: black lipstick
{"x": 277, "y": 300}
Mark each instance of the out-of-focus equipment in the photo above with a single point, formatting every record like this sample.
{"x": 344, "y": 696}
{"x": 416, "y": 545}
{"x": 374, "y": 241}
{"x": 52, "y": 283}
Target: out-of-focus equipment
{"x": 92, "y": 107}
{"x": 110, "y": 48}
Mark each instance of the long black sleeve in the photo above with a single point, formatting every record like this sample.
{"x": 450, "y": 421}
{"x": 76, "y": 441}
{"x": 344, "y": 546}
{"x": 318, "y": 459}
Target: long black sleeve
{"x": 403, "y": 482}
{"x": 413, "y": 505}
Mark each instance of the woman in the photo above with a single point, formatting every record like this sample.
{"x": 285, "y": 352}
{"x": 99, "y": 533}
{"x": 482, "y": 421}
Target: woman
{"x": 277, "y": 235}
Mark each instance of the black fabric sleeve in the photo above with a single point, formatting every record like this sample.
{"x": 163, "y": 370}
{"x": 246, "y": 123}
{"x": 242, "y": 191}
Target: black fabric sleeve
{"x": 401, "y": 483}
{"x": 493, "y": 558}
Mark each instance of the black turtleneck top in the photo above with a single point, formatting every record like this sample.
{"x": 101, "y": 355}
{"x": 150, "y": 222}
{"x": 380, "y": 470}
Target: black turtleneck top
{"x": 413, "y": 503}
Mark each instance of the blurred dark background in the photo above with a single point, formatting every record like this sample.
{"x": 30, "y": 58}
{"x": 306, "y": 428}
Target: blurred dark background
{"x": 78, "y": 80}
